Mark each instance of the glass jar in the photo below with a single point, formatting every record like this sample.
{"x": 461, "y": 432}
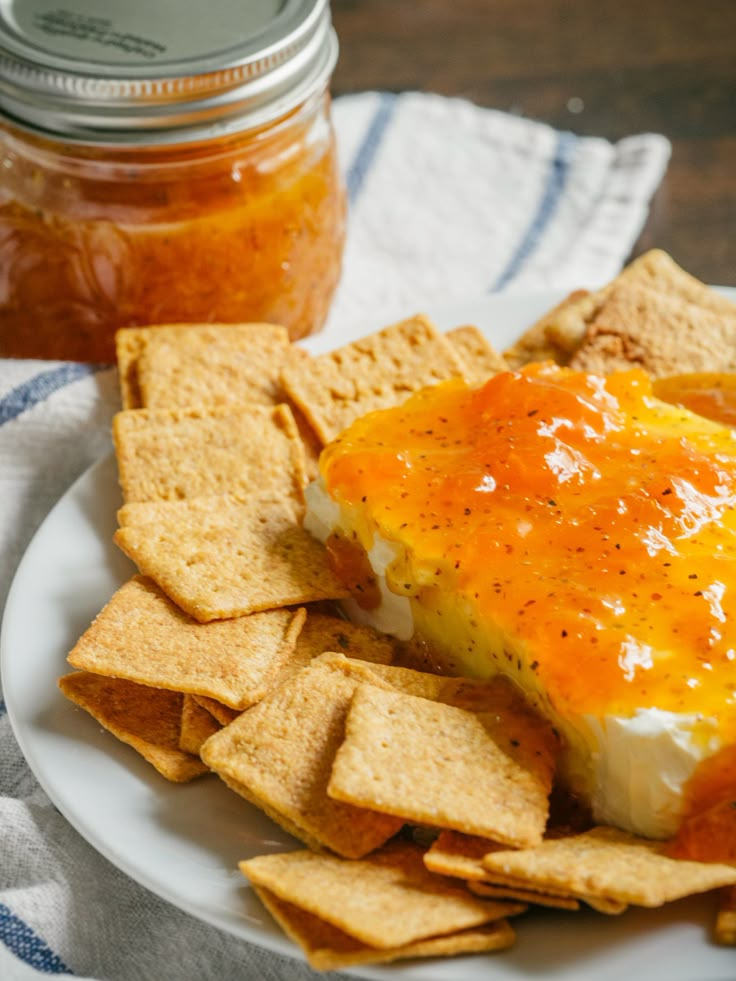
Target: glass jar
{"x": 195, "y": 185}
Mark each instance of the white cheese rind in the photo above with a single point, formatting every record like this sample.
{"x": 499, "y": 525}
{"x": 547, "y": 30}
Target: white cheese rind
{"x": 393, "y": 614}
{"x": 642, "y": 764}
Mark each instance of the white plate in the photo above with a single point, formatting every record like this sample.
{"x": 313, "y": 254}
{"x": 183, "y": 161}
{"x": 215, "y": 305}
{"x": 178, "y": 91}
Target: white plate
{"x": 184, "y": 842}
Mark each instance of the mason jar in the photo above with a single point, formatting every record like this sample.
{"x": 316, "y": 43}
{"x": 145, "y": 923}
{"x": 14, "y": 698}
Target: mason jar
{"x": 164, "y": 162}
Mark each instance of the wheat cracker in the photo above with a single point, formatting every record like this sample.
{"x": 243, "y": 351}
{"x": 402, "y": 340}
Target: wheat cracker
{"x": 197, "y": 725}
{"x": 219, "y": 557}
{"x": 147, "y": 719}
{"x": 432, "y": 763}
{"x": 328, "y": 948}
{"x": 171, "y": 454}
{"x": 281, "y": 753}
{"x": 375, "y": 372}
{"x": 611, "y": 865}
{"x": 385, "y": 900}
{"x": 143, "y": 636}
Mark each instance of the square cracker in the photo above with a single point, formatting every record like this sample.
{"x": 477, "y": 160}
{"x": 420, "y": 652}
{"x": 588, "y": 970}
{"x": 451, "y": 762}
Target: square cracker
{"x": 142, "y": 636}
{"x": 281, "y": 752}
{"x": 376, "y": 372}
{"x": 385, "y": 900}
{"x": 558, "y": 334}
{"x": 482, "y": 360}
{"x": 611, "y": 907}
{"x": 129, "y": 344}
{"x": 608, "y": 864}
{"x": 459, "y": 855}
{"x": 197, "y": 725}
{"x": 179, "y": 365}
{"x": 329, "y": 949}
{"x": 219, "y": 557}
{"x": 665, "y": 335}
{"x": 171, "y": 454}
{"x": 148, "y": 719}
{"x": 324, "y": 633}
{"x": 489, "y": 890}
{"x": 432, "y": 763}
{"x": 221, "y": 713}
{"x": 513, "y": 725}
{"x": 509, "y": 720}
{"x": 725, "y": 927}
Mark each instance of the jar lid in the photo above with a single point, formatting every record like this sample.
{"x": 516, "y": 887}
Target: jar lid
{"x": 157, "y": 71}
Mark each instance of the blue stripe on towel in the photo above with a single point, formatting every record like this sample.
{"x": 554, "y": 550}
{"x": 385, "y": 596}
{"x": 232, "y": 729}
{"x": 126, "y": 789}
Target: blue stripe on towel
{"x": 366, "y": 154}
{"x": 553, "y": 190}
{"x": 41, "y": 386}
{"x": 22, "y": 941}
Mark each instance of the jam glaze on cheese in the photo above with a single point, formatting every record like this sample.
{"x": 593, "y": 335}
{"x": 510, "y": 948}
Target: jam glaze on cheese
{"x": 570, "y": 530}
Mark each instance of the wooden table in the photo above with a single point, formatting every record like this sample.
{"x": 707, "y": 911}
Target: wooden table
{"x": 604, "y": 69}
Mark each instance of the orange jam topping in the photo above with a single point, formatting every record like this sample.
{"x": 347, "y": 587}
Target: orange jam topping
{"x": 708, "y": 830}
{"x": 590, "y": 522}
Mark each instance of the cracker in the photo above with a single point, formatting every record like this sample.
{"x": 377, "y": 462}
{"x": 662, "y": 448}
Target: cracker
{"x": 171, "y": 454}
{"x": 519, "y": 731}
{"x": 329, "y": 949}
{"x": 725, "y": 927}
{"x": 462, "y": 856}
{"x": 385, "y": 900}
{"x": 311, "y": 443}
{"x": 219, "y": 557}
{"x": 432, "y": 763}
{"x": 324, "y": 633}
{"x": 481, "y": 359}
{"x": 296, "y": 832}
{"x": 221, "y": 713}
{"x": 490, "y": 891}
{"x": 179, "y": 365}
{"x": 281, "y": 751}
{"x": 197, "y": 724}
{"x": 459, "y": 855}
{"x": 608, "y": 864}
{"x": 148, "y": 719}
{"x": 142, "y": 636}
{"x": 557, "y": 335}
{"x": 129, "y": 343}
{"x": 376, "y": 372}
{"x": 611, "y": 907}
{"x": 663, "y": 334}
{"x": 656, "y": 270}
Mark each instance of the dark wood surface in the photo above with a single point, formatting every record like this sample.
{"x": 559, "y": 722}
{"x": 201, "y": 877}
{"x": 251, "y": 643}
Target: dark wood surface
{"x": 606, "y": 69}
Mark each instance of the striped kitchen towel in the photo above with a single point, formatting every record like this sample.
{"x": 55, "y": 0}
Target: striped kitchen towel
{"x": 448, "y": 201}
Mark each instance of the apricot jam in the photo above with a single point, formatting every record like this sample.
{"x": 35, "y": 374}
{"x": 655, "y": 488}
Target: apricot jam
{"x": 577, "y": 515}
{"x": 155, "y": 172}
{"x": 708, "y": 829}
{"x": 710, "y": 394}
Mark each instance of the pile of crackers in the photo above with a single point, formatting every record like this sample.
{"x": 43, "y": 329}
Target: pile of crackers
{"x": 654, "y": 315}
{"x": 414, "y": 794}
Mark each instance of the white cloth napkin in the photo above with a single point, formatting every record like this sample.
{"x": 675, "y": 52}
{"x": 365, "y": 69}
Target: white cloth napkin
{"x": 448, "y": 201}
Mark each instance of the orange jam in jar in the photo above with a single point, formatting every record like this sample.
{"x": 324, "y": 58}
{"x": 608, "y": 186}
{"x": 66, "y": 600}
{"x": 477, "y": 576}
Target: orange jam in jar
{"x": 155, "y": 171}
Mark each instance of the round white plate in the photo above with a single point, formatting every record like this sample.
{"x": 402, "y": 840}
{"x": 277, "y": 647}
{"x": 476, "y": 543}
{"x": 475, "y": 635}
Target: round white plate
{"x": 184, "y": 842}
